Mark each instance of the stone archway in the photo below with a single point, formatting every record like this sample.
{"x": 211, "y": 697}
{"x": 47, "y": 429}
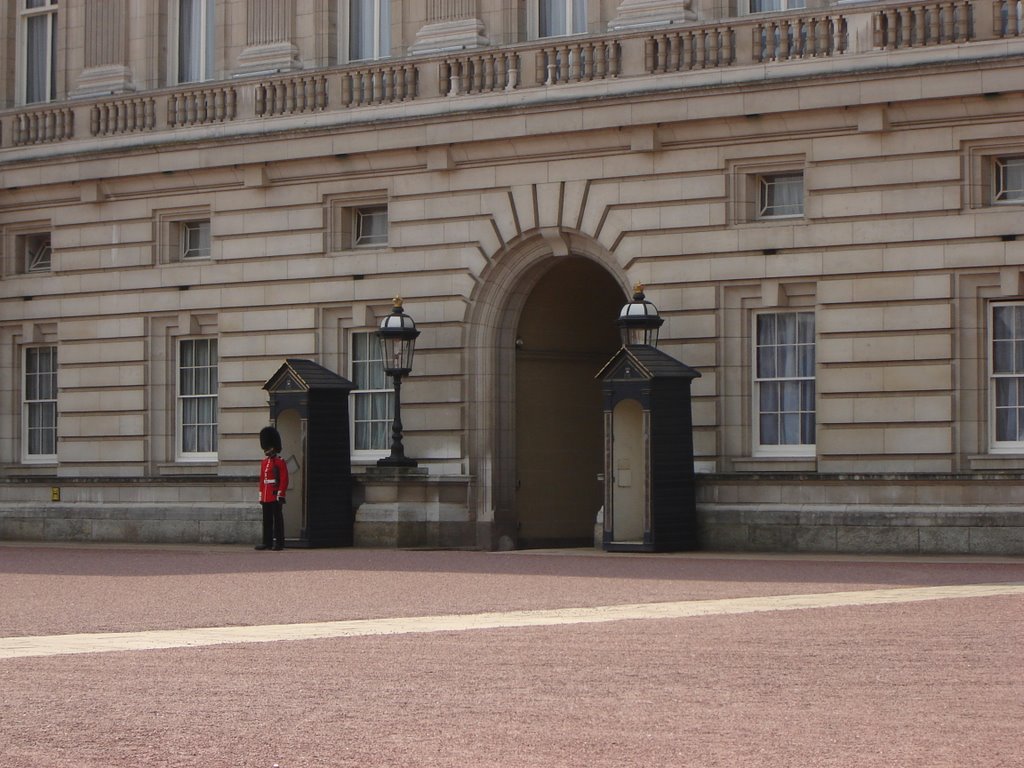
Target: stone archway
{"x": 526, "y": 289}
{"x": 565, "y": 334}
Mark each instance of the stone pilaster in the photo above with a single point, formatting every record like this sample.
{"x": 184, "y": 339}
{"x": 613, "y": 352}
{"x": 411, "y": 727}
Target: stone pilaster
{"x": 268, "y": 37}
{"x": 106, "y": 49}
{"x": 452, "y": 25}
{"x": 637, "y": 14}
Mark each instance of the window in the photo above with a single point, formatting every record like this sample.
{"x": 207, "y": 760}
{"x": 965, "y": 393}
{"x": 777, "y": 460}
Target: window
{"x": 767, "y": 6}
{"x": 183, "y": 234}
{"x": 361, "y": 223}
{"x": 372, "y": 399}
{"x": 34, "y": 252}
{"x": 371, "y": 225}
{"x": 195, "y": 239}
{"x": 38, "y": 55}
{"x": 39, "y": 413}
{"x": 551, "y": 18}
{"x": 1009, "y": 179}
{"x": 197, "y": 398}
{"x": 194, "y": 48}
{"x": 784, "y": 382}
{"x": 780, "y": 195}
{"x": 1007, "y": 375}
{"x": 366, "y": 29}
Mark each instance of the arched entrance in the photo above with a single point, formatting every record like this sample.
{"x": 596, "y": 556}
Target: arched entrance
{"x": 565, "y": 333}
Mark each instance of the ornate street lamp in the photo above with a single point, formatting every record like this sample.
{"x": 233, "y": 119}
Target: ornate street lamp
{"x": 397, "y": 335}
{"x": 639, "y": 320}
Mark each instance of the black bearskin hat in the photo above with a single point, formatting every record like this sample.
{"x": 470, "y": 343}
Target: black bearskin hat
{"x": 270, "y": 438}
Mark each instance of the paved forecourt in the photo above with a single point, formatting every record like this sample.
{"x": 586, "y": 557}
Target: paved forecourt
{"x": 224, "y": 656}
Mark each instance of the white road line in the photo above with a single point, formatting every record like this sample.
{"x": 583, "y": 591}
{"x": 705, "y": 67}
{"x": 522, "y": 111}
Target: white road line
{"x": 54, "y": 645}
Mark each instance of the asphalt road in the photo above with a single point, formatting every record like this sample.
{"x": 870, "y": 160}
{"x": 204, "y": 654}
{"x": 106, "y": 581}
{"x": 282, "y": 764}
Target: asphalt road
{"x": 222, "y": 656}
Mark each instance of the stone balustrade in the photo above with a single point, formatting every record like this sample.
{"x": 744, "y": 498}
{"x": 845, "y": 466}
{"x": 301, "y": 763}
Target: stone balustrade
{"x": 119, "y": 116}
{"x": 479, "y": 72}
{"x": 291, "y": 95}
{"x": 918, "y": 24}
{"x": 202, "y": 105}
{"x": 42, "y": 126}
{"x": 747, "y": 40}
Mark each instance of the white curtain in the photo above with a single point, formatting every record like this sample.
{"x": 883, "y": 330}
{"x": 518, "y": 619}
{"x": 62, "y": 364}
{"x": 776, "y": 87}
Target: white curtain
{"x": 561, "y": 17}
{"x": 195, "y": 40}
{"x": 785, "y": 370}
{"x": 781, "y": 195}
{"x": 373, "y": 401}
{"x": 40, "y": 72}
{"x": 190, "y": 30}
{"x": 369, "y": 29}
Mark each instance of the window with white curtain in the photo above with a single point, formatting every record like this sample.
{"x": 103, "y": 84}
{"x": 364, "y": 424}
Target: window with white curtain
{"x": 767, "y": 6}
{"x": 39, "y": 404}
{"x": 365, "y": 29}
{"x": 551, "y": 18}
{"x": 194, "y": 47}
{"x": 1009, "y": 179}
{"x": 373, "y": 396}
{"x": 371, "y": 225}
{"x": 780, "y": 195}
{"x": 197, "y": 398}
{"x": 195, "y": 239}
{"x": 1006, "y": 374}
{"x": 37, "y": 37}
{"x": 784, "y": 383}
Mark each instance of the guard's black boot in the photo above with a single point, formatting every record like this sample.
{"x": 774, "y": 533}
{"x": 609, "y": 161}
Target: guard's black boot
{"x": 261, "y": 547}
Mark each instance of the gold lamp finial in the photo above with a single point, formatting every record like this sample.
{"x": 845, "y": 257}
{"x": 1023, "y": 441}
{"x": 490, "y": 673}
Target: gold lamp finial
{"x": 397, "y": 301}
{"x": 638, "y": 288}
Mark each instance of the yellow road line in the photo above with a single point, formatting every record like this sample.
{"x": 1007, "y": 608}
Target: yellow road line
{"x": 53, "y": 645}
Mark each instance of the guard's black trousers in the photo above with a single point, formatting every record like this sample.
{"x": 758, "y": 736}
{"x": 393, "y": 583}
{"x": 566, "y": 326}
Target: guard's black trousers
{"x": 273, "y": 524}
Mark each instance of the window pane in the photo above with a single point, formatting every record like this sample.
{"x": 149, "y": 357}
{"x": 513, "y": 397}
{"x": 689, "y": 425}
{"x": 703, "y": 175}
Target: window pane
{"x": 782, "y": 195}
{"x": 769, "y": 396}
{"x": 1002, "y": 322}
{"x": 1009, "y": 179}
{"x": 790, "y": 400}
{"x": 195, "y": 239}
{"x": 372, "y": 226}
{"x": 38, "y": 58}
{"x": 189, "y": 40}
{"x": 579, "y": 17}
{"x": 551, "y": 18}
{"x": 766, "y": 363}
{"x": 807, "y": 429}
{"x": 384, "y": 35}
{"x": 360, "y": 29}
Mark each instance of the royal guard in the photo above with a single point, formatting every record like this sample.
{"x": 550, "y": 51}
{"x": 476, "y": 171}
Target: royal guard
{"x": 273, "y": 485}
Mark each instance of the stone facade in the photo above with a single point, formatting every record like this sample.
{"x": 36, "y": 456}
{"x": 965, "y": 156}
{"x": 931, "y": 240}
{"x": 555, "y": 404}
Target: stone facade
{"x": 638, "y": 151}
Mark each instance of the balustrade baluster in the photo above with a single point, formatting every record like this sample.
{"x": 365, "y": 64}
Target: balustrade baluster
{"x": 346, "y": 90}
{"x": 699, "y": 50}
{"x": 962, "y": 19}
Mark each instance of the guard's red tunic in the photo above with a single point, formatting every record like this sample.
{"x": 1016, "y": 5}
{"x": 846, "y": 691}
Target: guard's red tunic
{"x": 273, "y": 478}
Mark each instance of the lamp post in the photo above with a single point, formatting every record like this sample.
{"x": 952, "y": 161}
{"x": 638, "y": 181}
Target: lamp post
{"x": 639, "y": 321}
{"x": 397, "y": 335}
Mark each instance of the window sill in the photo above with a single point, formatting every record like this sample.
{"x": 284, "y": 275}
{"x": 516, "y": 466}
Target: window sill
{"x": 205, "y": 467}
{"x": 996, "y": 461}
{"x": 775, "y": 464}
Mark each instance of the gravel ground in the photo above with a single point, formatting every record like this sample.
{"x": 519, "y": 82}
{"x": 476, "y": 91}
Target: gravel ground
{"x": 918, "y": 684}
